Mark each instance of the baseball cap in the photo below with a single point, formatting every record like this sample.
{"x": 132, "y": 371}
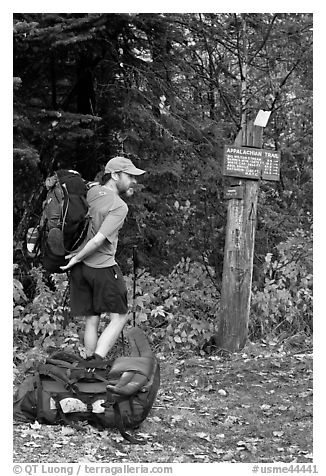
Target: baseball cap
{"x": 122, "y": 164}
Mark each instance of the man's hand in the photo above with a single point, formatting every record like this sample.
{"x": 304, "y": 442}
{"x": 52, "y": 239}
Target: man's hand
{"x": 91, "y": 246}
{"x": 72, "y": 262}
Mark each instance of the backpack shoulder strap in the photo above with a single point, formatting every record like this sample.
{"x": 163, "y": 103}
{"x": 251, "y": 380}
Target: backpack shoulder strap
{"x": 65, "y": 356}
{"x": 61, "y": 363}
{"x": 139, "y": 343}
{"x": 59, "y": 375}
{"x": 89, "y": 185}
{"x": 120, "y": 425}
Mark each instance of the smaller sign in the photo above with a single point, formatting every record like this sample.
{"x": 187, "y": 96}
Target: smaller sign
{"x": 262, "y": 118}
{"x": 233, "y": 192}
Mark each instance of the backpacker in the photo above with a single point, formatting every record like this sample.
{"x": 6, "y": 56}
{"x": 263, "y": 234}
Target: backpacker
{"x": 68, "y": 388}
{"x": 64, "y": 221}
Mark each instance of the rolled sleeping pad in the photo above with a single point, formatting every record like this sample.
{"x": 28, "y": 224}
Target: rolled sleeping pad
{"x": 131, "y": 387}
{"x": 134, "y": 373}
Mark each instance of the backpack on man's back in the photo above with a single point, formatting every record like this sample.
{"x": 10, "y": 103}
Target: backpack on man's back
{"x": 64, "y": 221}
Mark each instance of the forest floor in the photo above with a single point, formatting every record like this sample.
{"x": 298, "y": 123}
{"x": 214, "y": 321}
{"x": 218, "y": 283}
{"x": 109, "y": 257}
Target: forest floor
{"x": 250, "y": 407}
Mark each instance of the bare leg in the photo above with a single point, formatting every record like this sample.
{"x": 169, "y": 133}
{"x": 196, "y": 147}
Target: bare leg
{"x": 111, "y": 333}
{"x": 91, "y": 334}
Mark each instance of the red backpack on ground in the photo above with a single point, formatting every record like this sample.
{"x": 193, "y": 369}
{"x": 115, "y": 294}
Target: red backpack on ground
{"x": 66, "y": 389}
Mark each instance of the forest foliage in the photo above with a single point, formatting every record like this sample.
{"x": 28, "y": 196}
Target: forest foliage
{"x": 167, "y": 90}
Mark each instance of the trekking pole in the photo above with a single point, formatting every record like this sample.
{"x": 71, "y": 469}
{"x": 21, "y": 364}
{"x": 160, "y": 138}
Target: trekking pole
{"x": 66, "y": 313}
{"x": 123, "y": 342}
{"x": 135, "y": 261}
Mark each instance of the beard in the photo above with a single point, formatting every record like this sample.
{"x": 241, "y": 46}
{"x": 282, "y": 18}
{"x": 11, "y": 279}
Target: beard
{"x": 127, "y": 192}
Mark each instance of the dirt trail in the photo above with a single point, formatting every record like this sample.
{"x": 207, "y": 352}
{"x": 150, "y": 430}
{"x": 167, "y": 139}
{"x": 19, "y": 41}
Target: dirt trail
{"x": 251, "y": 407}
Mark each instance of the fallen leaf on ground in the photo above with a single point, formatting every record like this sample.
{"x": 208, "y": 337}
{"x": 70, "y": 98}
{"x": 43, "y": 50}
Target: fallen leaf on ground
{"x": 118, "y": 453}
{"x": 278, "y": 433}
{"x": 203, "y": 436}
{"x": 67, "y": 431}
{"x": 36, "y": 426}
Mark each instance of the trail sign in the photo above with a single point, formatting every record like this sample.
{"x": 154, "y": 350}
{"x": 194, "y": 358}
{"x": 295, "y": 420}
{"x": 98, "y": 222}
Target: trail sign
{"x": 233, "y": 192}
{"x": 251, "y": 163}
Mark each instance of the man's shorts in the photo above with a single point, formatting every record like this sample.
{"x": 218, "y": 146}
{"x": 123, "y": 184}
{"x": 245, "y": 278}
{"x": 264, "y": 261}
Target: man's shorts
{"x": 97, "y": 290}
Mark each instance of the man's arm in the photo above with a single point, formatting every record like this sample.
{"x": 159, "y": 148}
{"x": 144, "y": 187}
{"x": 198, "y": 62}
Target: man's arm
{"x": 91, "y": 246}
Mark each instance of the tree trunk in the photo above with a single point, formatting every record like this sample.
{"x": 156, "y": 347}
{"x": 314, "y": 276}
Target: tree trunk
{"x": 238, "y": 255}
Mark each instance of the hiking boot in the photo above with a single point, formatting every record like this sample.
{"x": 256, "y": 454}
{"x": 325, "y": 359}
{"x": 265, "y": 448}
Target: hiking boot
{"x": 94, "y": 356}
{"x": 95, "y": 360}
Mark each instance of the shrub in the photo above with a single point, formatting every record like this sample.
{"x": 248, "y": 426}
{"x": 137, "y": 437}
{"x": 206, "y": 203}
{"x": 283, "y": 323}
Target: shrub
{"x": 178, "y": 310}
{"x": 284, "y": 302}
{"x": 44, "y": 314}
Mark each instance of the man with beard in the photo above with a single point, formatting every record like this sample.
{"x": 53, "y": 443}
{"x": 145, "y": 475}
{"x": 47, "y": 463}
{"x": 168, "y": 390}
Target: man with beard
{"x": 96, "y": 281}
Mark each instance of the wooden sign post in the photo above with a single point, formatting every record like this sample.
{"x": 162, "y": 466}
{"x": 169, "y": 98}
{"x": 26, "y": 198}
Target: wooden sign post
{"x": 247, "y": 160}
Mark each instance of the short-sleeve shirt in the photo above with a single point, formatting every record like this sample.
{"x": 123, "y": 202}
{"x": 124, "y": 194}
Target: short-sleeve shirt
{"x": 108, "y": 212}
